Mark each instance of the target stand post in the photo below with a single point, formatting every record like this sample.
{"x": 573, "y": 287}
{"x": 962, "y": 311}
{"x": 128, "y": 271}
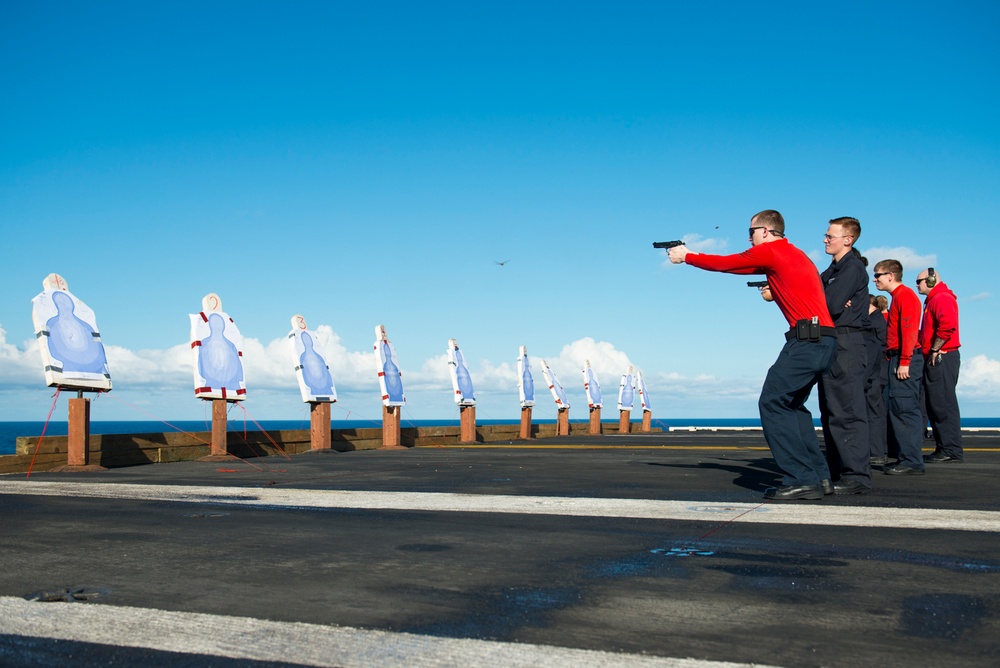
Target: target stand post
{"x": 525, "y": 432}
{"x": 78, "y": 433}
{"x": 625, "y": 422}
{"x": 220, "y": 434}
{"x": 562, "y": 422}
{"x": 467, "y": 420}
{"x": 647, "y": 419}
{"x": 391, "y": 429}
{"x": 319, "y": 426}
{"x": 595, "y": 421}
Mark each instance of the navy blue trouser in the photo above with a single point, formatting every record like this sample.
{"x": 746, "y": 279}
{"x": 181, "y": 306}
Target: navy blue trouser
{"x": 878, "y": 368}
{"x": 844, "y": 411}
{"x": 787, "y": 423}
{"x": 942, "y": 404}
{"x": 905, "y": 416}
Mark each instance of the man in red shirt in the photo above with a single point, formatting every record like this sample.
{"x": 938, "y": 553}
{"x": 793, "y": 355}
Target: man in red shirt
{"x": 810, "y": 346}
{"x": 939, "y": 343}
{"x": 906, "y": 366}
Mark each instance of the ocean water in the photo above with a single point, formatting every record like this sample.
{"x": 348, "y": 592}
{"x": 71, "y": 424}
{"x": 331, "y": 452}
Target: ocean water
{"x": 9, "y": 431}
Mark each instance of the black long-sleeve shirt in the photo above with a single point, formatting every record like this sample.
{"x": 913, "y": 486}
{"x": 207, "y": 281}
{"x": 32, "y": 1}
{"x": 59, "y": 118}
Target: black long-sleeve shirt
{"x": 843, "y": 281}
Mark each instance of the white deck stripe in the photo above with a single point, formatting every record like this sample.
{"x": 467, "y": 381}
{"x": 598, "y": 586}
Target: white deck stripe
{"x": 306, "y": 644}
{"x": 768, "y": 513}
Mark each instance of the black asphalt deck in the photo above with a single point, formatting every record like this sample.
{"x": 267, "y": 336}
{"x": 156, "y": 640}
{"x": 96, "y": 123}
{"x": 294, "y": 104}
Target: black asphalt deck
{"x": 718, "y": 586}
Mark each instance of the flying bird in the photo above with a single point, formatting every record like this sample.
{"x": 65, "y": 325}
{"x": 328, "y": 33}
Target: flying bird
{"x": 501, "y": 263}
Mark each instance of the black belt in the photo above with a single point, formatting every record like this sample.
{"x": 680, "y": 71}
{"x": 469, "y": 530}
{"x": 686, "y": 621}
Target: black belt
{"x": 823, "y": 331}
{"x": 895, "y": 353}
{"x": 849, "y": 330}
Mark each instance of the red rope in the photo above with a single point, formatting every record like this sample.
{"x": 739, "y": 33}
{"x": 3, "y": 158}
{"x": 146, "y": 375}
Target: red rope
{"x": 38, "y": 446}
{"x": 156, "y": 419}
{"x": 246, "y": 414}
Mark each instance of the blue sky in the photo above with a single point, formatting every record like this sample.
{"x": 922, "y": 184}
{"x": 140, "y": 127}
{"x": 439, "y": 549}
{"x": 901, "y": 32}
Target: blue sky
{"x": 368, "y": 163}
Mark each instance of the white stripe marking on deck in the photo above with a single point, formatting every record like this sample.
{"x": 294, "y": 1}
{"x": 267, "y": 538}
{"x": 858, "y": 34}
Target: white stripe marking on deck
{"x": 307, "y": 644}
{"x": 763, "y": 513}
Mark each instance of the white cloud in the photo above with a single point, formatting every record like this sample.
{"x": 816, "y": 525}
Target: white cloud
{"x": 607, "y": 362}
{"x": 150, "y": 368}
{"x": 913, "y": 263}
{"x": 979, "y": 379}
{"x": 20, "y": 367}
{"x": 674, "y": 385}
{"x": 981, "y": 297}
{"x": 696, "y": 243}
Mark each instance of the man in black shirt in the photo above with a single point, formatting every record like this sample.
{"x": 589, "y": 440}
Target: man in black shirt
{"x": 843, "y": 409}
{"x": 878, "y": 377}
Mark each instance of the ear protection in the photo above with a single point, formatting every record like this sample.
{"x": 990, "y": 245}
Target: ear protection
{"x": 932, "y": 278}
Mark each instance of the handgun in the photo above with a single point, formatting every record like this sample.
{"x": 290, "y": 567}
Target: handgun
{"x": 667, "y": 244}
{"x": 756, "y": 284}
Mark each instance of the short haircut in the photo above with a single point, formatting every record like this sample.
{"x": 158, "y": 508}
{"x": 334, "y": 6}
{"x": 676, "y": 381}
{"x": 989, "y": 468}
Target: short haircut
{"x": 772, "y": 220}
{"x": 881, "y": 302}
{"x": 891, "y": 266}
{"x": 851, "y": 226}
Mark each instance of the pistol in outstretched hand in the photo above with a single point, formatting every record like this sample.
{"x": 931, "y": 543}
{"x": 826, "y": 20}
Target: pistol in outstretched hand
{"x": 667, "y": 244}
{"x": 756, "y": 284}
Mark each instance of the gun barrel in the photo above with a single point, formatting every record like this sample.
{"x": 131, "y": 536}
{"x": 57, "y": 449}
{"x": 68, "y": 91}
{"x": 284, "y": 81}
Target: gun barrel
{"x": 756, "y": 284}
{"x": 667, "y": 244}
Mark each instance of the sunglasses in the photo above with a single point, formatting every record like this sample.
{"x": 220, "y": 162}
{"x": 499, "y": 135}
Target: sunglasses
{"x": 920, "y": 280}
{"x": 750, "y": 231}
{"x": 884, "y": 273}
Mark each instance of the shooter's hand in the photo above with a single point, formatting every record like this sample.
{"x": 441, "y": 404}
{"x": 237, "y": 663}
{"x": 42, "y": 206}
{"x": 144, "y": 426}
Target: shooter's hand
{"x": 677, "y": 254}
{"x": 765, "y": 293}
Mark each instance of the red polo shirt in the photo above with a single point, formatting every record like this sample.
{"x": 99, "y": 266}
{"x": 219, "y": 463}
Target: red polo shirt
{"x": 791, "y": 275}
{"x": 904, "y": 323}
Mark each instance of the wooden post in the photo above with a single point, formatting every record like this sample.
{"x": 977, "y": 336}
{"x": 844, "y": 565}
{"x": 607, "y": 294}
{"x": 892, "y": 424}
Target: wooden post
{"x": 647, "y": 417}
{"x": 78, "y": 446}
{"x": 391, "y": 437}
{"x": 467, "y": 415}
{"x": 624, "y": 422}
{"x": 525, "y": 422}
{"x": 78, "y": 453}
{"x": 220, "y": 436}
{"x": 562, "y": 422}
{"x": 595, "y": 421}
{"x": 319, "y": 425}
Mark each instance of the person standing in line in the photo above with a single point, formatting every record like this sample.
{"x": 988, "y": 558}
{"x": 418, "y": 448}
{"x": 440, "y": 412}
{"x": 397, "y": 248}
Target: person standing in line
{"x": 875, "y": 384}
{"x": 939, "y": 342}
{"x": 906, "y": 366}
{"x": 842, "y": 405}
{"x": 810, "y": 346}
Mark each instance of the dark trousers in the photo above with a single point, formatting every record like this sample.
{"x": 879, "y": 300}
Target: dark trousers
{"x": 878, "y": 370}
{"x": 942, "y": 404}
{"x": 787, "y": 423}
{"x": 905, "y": 416}
{"x": 844, "y": 411}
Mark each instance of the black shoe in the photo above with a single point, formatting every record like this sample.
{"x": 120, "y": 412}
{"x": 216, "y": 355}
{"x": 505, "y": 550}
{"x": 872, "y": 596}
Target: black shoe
{"x": 940, "y": 457}
{"x": 826, "y": 486}
{"x": 792, "y": 492}
{"x": 901, "y": 469}
{"x": 878, "y": 461}
{"x": 851, "y": 487}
